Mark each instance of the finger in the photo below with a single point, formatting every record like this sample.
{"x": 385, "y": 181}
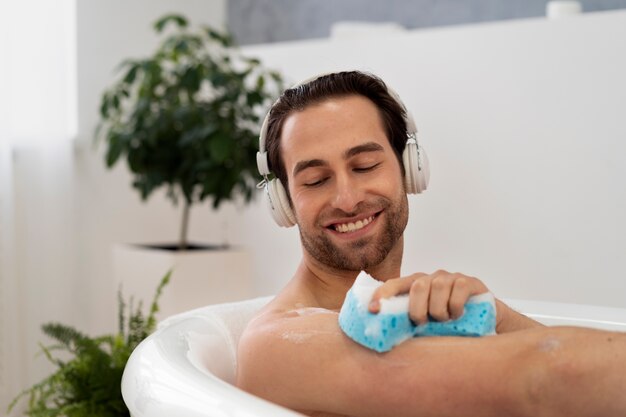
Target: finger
{"x": 418, "y": 300}
{"x": 440, "y": 289}
{"x": 390, "y": 288}
{"x": 459, "y": 296}
{"x": 477, "y": 286}
{"x": 464, "y": 288}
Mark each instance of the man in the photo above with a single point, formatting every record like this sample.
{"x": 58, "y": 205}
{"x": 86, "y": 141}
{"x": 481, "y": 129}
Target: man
{"x": 335, "y": 143}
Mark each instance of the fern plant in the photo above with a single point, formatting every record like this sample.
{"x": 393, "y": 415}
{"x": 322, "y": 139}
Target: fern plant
{"x": 89, "y": 383}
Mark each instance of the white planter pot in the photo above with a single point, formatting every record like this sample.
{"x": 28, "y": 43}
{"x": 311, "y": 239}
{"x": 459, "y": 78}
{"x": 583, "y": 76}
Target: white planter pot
{"x": 199, "y": 277}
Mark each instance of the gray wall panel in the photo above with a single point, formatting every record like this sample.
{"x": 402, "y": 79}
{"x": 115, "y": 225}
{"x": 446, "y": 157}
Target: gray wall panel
{"x": 265, "y": 21}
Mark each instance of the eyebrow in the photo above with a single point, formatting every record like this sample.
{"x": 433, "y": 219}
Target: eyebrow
{"x": 310, "y": 163}
{"x": 302, "y": 165}
{"x": 366, "y": 147}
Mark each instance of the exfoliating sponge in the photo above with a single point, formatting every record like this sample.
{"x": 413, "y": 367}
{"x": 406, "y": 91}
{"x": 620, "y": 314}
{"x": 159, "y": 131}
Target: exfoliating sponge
{"x": 392, "y": 325}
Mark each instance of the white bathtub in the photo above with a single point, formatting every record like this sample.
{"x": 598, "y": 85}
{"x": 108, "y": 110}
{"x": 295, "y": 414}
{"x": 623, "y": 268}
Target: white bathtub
{"x": 187, "y": 367}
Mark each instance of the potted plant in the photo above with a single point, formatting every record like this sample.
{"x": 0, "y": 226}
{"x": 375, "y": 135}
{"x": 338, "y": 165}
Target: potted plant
{"x": 187, "y": 118}
{"x": 89, "y": 382}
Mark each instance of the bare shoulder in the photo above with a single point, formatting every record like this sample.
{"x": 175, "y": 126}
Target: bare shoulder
{"x": 286, "y": 350}
{"x": 297, "y": 356}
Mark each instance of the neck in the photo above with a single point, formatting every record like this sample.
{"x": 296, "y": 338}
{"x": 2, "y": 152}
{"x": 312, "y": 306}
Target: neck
{"x": 330, "y": 285}
{"x": 390, "y": 267}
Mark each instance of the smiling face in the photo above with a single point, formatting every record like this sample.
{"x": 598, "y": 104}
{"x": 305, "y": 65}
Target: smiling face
{"x": 345, "y": 183}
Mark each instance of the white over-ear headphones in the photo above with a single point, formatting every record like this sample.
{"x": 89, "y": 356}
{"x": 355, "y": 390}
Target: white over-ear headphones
{"x": 415, "y": 161}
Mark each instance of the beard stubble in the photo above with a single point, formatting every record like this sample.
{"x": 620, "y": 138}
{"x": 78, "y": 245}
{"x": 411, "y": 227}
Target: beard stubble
{"x": 366, "y": 252}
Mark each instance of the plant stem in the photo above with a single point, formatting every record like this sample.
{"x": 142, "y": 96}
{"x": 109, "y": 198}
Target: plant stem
{"x": 182, "y": 245}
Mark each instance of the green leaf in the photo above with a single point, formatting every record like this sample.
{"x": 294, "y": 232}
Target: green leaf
{"x": 115, "y": 102}
{"x": 191, "y": 79}
{"x": 124, "y": 64}
{"x": 121, "y": 317}
{"x": 129, "y": 78}
{"x": 253, "y": 98}
{"x": 220, "y": 148}
{"x": 177, "y": 19}
{"x": 276, "y": 76}
{"x": 253, "y": 61}
{"x": 115, "y": 150}
{"x": 104, "y": 106}
{"x": 223, "y": 38}
{"x": 181, "y": 46}
{"x": 198, "y": 133}
{"x": 260, "y": 83}
{"x": 154, "y": 307}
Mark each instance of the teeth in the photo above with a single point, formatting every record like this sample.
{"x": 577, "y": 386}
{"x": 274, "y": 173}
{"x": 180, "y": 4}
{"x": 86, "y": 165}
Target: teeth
{"x": 351, "y": 227}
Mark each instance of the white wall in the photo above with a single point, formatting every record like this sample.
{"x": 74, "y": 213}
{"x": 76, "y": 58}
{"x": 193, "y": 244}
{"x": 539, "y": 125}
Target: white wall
{"x": 523, "y": 122}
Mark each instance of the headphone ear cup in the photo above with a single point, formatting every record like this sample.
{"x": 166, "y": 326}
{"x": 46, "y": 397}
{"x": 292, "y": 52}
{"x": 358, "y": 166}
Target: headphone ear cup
{"x": 279, "y": 204}
{"x": 423, "y": 177}
{"x": 416, "y": 168}
{"x": 409, "y": 176}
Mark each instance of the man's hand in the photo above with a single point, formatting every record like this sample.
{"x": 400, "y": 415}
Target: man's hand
{"x": 441, "y": 295}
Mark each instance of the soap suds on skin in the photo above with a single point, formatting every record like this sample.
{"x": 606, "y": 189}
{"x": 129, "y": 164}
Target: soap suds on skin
{"x": 302, "y": 310}
{"x": 302, "y": 336}
{"x": 307, "y": 311}
{"x": 549, "y": 344}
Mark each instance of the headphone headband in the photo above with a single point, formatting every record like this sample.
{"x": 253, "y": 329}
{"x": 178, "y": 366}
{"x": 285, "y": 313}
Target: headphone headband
{"x": 262, "y": 160}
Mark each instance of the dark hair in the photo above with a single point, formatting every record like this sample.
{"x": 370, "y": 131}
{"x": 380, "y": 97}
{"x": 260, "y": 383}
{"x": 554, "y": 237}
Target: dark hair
{"x": 334, "y": 85}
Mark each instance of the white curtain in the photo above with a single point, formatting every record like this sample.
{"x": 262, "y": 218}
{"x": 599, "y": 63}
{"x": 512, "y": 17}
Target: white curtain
{"x": 10, "y": 378}
{"x": 37, "y": 126}
{"x": 38, "y": 71}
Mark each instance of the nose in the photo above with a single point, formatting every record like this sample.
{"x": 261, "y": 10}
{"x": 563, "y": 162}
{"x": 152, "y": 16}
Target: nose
{"x": 348, "y": 194}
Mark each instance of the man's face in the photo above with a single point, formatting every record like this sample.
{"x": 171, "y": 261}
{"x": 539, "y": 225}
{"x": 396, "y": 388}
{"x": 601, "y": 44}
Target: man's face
{"x": 345, "y": 183}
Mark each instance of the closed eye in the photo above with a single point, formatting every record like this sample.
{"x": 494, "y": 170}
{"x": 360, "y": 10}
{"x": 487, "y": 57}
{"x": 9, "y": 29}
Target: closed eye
{"x": 367, "y": 168}
{"x": 316, "y": 183}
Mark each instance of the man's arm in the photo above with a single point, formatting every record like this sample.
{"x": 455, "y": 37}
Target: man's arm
{"x": 307, "y": 363}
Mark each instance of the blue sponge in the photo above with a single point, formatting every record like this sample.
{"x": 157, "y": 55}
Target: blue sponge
{"x": 392, "y": 325}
